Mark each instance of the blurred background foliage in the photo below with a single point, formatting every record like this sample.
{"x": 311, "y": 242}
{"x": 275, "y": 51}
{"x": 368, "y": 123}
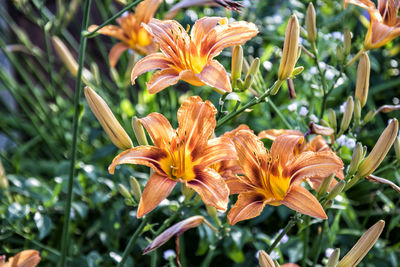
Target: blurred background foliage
{"x": 36, "y": 96}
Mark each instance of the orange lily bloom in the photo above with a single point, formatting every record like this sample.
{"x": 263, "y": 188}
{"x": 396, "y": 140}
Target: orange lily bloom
{"x": 230, "y": 168}
{"x": 274, "y": 177}
{"x": 317, "y": 144}
{"x": 25, "y": 258}
{"x": 130, "y": 31}
{"x": 190, "y": 58}
{"x": 183, "y": 156}
{"x": 384, "y": 24}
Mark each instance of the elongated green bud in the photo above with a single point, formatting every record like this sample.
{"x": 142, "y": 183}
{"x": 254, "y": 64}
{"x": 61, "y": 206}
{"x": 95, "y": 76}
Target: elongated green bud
{"x": 363, "y": 245}
{"x": 397, "y": 148}
{"x": 124, "y": 191}
{"x": 139, "y": 132}
{"x": 336, "y": 190}
{"x": 290, "y": 49}
{"x": 347, "y": 42}
{"x": 311, "y": 24}
{"x": 237, "y": 63}
{"x": 333, "y": 259}
{"x": 358, "y": 156}
{"x": 339, "y": 54}
{"x": 362, "y": 84}
{"x": 248, "y": 81}
{"x": 347, "y": 115}
{"x": 135, "y": 188}
{"x": 323, "y": 188}
{"x": 107, "y": 120}
{"x": 254, "y": 67}
{"x": 381, "y": 148}
{"x": 332, "y": 119}
{"x": 368, "y": 117}
{"x": 357, "y": 112}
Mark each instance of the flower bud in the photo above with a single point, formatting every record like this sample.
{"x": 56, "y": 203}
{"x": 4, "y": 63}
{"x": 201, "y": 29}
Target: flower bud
{"x": 69, "y": 60}
{"x": 124, "y": 191}
{"x": 311, "y": 24}
{"x": 333, "y": 259}
{"x": 264, "y": 260}
{"x": 336, "y": 190}
{"x": 326, "y": 182}
{"x": 347, "y": 42}
{"x": 397, "y": 148}
{"x": 380, "y": 150}
{"x": 248, "y": 82}
{"x": 362, "y": 84}
{"x": 368, "y": 117}
{"x": 387, "y": 108}
{"x": 297, "y": 71}
{"x": 290, "y": 49}
{"x": 357, "y": 112}
{"x": 135, "y": 188}
{"x": 107, "y": 120}
{"x": 347, "y": 115}
{"x": 139, "y": 131}
{"x": 358, "y": 155}
{"x": 319, "y": 129}
{"x": 3, "y": 178}
{"x": 363, "y": 245}
{"x": 381, "y": 180}
{"x": 339, "y": 53}
{"x": 332, "y": 119}
{"x": 237, "y": 63}
{"x": 254, "y": 67}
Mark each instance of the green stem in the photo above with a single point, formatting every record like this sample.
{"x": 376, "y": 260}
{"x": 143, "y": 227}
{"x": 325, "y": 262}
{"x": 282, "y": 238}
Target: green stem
{"x": 318, "y": 244}
{"x": 75, "y": 125}
{"x": 277, "y": 111}
{"x": 285, "y": 230}
{"x": 132, "y": 241}
{"x": 354, "y": 59}
{"x": 93, "y": 33}
{"x": 305, "y": 242}
{"x": 249, "y": 104}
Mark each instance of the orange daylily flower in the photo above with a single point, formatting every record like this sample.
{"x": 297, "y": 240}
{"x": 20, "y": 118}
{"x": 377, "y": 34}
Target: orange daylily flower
{"x": 230, "y": 168}
{"x": 384, "y": 24}
{"x": 274, "y": 177}
{"x": 183, "y": 156}
{"x": 190, "y": 58}
{"x": 317, "y": 144}
{"x": 130, "y": 31}
{"x": 25, "y": 258}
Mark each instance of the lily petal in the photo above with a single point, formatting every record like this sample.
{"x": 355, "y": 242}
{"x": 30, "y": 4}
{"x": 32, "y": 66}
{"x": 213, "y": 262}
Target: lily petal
{"x": 218, "y": 149}
{"x": 156, "y": 190}
{"x": 148, "y": 63}
{"x": 196, "y": 122}
{"x": 215, "y": 75}
{"x": 317, "y": 165}
{"x": 272, "y": 134}
{"x": 317, "y": 144}
{"x": 237, "y": 186}
{"x": 159, "y": 129}
{"x": 252, "y": 156}
{"x": 283, "y": 149}
{"x": 222, "y": 36}
{"x": 211, "y": 188}
{"x": 161, "y": 80}
{"x": 145, "y": 10}
{"x": 232, "y": 133}
{"x": 202, "y": 27}
{"x": 300, "y": 200}
{"x": 143, "y": 155}
{"x": 110, "y": 30}
{"x": 115, "y": 53}
{"x": 248, "y": 205}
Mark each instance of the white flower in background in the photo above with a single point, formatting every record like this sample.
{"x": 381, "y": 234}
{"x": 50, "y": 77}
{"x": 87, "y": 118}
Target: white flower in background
{"x": 328, "y": 252}
{"x": 169, "y": 253}
{"x": 292, "y": 107}
{"x": 267, "y": 65}
{"x": 314, "y": 118}
{"x": 395, "y": 100}
{"x": 329, "y": 74}
{"x": 346, "y": 141}
{"x": 274, "y": 255}
{"x": 303, "y": 111}
{"x": 342, "y": 107}
{"x": 313, "y": 70}
{"x": 338, "y": 35}
{"x": 284, "y": 239}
